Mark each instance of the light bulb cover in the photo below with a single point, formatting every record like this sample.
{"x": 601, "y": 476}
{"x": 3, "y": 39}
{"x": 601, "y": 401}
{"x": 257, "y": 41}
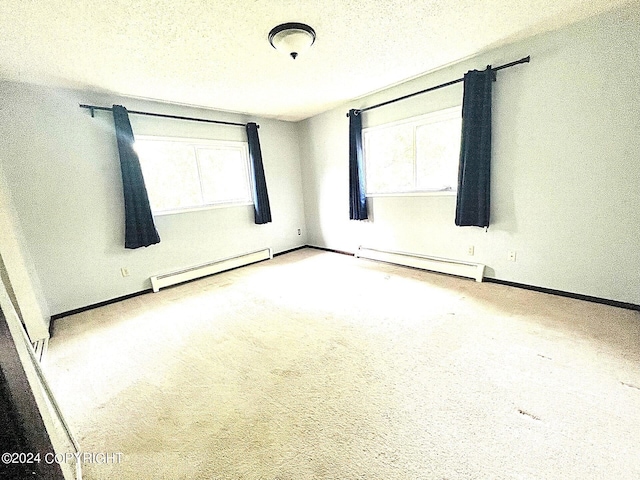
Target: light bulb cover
{"x": 292, "y": 38}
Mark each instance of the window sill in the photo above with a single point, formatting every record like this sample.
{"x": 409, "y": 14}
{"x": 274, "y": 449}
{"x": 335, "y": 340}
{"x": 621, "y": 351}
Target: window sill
{"x": 204, "y": 207}
{"x": 438, "y": 193}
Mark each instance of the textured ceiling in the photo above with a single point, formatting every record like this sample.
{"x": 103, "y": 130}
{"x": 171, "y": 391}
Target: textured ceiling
{"x": 215, "y": 53}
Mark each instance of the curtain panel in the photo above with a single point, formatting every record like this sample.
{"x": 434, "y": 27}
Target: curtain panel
{"x": 140, "y": 230}
{"x": 262, "y": 209}
{"x": 357, "y": 192}
{"x": 473, "y": 198}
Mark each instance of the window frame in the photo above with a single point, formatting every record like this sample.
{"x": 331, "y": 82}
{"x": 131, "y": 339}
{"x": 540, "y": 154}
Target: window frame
{"x": 416, "y": 121}
{"x": 199, "y": 143}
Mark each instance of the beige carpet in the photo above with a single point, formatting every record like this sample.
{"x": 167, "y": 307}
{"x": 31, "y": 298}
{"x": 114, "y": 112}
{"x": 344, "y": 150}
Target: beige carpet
{"x": 320, "y": 366}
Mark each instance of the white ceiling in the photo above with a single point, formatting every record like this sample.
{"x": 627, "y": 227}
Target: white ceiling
{"x": 215, "y": 53}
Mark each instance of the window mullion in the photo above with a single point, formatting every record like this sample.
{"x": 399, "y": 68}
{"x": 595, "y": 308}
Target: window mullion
{"x": 244, "y": 153}
{"x": 195, "y": 151}
{"x": 415, "y": 158}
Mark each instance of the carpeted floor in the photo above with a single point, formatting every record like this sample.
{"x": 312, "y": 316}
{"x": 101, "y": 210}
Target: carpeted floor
{"x": 320, "y": 366}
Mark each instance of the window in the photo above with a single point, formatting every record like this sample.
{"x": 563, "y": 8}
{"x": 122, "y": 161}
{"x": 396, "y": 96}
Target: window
{"x": 420, "y": 154}
{"x": 187, "y": 174}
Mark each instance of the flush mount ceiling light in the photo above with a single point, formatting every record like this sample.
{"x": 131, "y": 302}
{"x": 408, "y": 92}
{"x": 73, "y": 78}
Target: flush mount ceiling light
{"x": 292, "y": 38}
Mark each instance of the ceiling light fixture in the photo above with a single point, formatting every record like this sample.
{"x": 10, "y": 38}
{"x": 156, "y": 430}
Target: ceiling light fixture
{"x": 292, "y": 38}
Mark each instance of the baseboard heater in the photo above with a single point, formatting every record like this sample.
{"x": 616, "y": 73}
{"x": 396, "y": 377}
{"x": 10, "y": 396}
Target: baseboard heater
{"x": 199, "y": 271}
{"x": 434, "y": 264}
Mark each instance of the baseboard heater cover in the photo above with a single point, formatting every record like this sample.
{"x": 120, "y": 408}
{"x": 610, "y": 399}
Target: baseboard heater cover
{"x": 199, "y": 271}
{"x": 424, "y": 262}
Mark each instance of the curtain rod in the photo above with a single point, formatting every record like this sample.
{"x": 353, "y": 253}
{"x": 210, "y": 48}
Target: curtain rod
{"x": 446, "y": 84}
{"x": 92, "y": 108}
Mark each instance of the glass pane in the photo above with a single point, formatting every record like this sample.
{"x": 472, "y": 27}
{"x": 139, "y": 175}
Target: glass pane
{"x": 170, "y": 174}
{"x": 437, "y": 154}
{"x": 389, "y": 159}
{"x": 224, "y": 175}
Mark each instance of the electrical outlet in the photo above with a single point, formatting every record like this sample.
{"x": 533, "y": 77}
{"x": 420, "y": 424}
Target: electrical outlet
{"x": 124, "y": 271}
{"x": 471, "y": 250}
{"x": 512, "y": 255}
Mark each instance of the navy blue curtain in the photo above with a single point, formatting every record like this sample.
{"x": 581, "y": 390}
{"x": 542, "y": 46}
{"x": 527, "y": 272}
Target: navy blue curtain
{"x": 357, "y": 192}
{"x": 473, "y": 202}
{"x": 140, "y": 231}
{"x": 260, "y": 194}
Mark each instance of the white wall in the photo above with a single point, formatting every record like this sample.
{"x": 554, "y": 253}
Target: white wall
{"x": 17, "y": 271}
{"x": 64, "y": 175}
{"x": 565, "y": 172}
